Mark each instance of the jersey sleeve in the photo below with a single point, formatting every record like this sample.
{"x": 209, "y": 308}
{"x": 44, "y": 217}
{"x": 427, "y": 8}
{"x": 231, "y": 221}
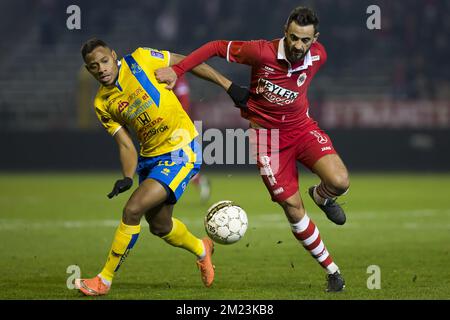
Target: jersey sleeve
{"x": 322, "y": 53}
{"x": 105, "y": 118}
{"x": 157, "y": 58}
{"x": 244, "y": 52}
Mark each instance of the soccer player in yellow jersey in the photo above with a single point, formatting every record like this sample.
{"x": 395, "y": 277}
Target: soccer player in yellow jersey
{"x": 130, "y": 98}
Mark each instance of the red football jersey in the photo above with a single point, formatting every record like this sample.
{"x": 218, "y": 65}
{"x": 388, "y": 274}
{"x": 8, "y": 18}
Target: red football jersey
{"x": 278, "y": 89}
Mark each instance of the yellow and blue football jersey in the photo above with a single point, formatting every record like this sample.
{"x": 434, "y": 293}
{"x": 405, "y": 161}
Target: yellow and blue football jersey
{"x": 141, "y": 103}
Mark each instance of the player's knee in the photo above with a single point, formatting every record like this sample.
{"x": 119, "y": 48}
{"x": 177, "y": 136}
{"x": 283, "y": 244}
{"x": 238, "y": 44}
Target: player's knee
{"x": 291, "y": 204}
{"x": 293, "y": 209}
{"x": 159, "y": 229}
{"x": 340, "y": 183}
{"x": 132, "y": 214}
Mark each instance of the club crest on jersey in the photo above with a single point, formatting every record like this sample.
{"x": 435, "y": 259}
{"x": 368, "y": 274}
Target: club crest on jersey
{"x": 301, "y": 79}
{"x": 135, "y": 68}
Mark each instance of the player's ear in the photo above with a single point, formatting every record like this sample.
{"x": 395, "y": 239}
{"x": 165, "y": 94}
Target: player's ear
{"x": 316, "y": 36}
{"x": 114, "y": 55}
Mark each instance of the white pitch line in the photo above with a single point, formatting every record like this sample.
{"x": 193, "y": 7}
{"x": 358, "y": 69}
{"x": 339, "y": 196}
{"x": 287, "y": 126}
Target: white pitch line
{"x": 6, "y": 224}
{"x": 264, "y": 221}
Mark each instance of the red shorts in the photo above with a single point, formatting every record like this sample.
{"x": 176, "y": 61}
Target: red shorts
{"x": 277, "y": 154}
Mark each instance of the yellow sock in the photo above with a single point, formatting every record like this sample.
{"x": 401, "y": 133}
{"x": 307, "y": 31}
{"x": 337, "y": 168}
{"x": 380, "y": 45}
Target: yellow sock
{"x": 124, "y": 240}
{"x": 180, "y": 236}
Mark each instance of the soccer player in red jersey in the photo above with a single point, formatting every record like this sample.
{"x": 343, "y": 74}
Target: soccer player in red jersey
{"x": 282, "y": 70}
{"x": 182, "y": 91}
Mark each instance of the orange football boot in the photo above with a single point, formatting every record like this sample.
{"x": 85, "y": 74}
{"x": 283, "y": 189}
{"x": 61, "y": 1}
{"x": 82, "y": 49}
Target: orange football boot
{"x": 205, "y": 265}
{"x": 92, "y": 287}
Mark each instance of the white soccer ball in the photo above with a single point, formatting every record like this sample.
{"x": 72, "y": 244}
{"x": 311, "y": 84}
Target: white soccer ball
{"x": 226, "y": 222}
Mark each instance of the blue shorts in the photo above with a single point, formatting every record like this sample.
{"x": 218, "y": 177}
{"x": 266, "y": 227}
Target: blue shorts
{"x": 173, "y": 170}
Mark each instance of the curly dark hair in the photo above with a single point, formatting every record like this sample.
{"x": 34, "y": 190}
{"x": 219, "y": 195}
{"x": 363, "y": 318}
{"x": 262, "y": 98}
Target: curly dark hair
{"x": 90, "y": 45}
{"x": 303, "y": 16}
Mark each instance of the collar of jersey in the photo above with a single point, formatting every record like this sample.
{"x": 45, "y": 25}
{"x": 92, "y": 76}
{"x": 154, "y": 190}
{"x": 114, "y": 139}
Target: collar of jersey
{"x": 307, "y": 60}
{"x": 119, "y": 64}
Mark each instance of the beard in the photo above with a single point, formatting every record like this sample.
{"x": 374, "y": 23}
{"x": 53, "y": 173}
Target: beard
{"x": 296, "y": 56}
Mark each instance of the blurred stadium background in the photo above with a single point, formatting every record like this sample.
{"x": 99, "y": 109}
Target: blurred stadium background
{"x": 383, "y": 97}
{"x": 384, "y": 92}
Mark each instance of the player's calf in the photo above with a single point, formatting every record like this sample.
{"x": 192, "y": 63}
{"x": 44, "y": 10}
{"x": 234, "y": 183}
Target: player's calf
{"x": 308, "y": 235}
{"x": 159, "y": 224}
{"x": 293, "y": 208}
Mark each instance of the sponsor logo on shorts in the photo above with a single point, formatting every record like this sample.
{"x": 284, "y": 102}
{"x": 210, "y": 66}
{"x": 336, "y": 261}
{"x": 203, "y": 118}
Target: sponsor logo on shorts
{"x": 166, "y": 163}
{"x": 301, "y": 79}
{"x": 321, "y": 139}
{"x": 326, "y": 148}
{"x": 278, "y": 191}
{"x": 165, "y": 171}
{"x": 265, "y": 161}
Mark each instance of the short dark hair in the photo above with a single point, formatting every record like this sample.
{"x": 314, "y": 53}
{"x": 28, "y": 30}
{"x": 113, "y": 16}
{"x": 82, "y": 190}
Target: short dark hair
{"x": 90, "y": 45}
{"x": 303, "y": 16}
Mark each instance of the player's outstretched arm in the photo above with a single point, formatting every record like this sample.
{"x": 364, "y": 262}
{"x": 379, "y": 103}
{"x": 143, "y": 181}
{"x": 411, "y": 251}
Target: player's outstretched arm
{"x": 203, "y": 71}
{"x": 195, "y": 58}
{"x": 128, "y": 159}
{"x": 238, "y": 94}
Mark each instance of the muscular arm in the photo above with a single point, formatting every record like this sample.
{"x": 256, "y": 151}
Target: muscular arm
{"x": 127, "y": 152}
{"x": 180, "y": 64}
{"x": 203, "y": 71}
{"x": 208, "y": 50}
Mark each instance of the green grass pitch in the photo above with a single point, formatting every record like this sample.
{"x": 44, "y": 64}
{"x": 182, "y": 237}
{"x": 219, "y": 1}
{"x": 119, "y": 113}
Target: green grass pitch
{"x": 399, "y": 222}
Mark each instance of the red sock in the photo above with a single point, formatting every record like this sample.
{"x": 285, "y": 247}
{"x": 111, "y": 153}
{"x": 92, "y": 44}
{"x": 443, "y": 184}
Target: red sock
{"x": 308, "y": 235}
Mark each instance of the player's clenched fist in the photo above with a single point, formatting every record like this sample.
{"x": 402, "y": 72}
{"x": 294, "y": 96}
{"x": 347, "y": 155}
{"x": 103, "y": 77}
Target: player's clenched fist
{"x": 166, "y": 75}
{"x": 121, "y": 186}
{"x": 239, "y": 95}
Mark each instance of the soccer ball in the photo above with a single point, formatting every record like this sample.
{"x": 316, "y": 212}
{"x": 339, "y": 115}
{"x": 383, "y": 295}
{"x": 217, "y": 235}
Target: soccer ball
{"x": 226, "y": 222}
